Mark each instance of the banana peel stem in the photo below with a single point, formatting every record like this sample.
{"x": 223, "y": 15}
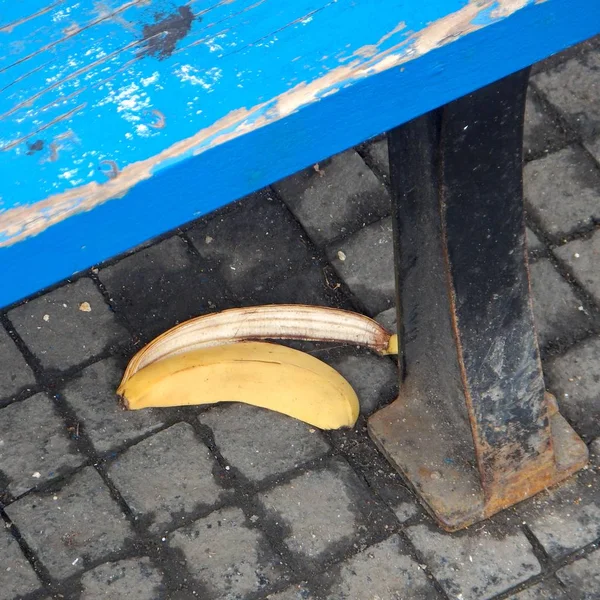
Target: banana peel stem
{"x": 392, "y": 345}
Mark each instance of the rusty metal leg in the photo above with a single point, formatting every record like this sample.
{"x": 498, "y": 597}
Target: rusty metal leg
{"x": 472, "y": 429}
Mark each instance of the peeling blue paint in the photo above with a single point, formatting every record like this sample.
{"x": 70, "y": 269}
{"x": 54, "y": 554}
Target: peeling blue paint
{"x": 194, "y": 87}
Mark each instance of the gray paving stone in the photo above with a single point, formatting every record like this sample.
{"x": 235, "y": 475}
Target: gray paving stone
{"x": 321, "y": 510}
{"x": 253, "y": 246}
{"x": 316, "y": 508}
{"x": 34, "y": 445}
{"x": 294, "y": 592}
{"x": 166, "y": 475}
{"x": 368, "y": 265}
{"x": 373, "y": 378}
{"x": 583, "y": 258}
{"x": 262, "y": 443}
{"x": 593, "y": 147}
{"x": 59, "y": 333}
{"x": 389, "y": 319}
{"x": 381, "y": 571}
{"x": 341, "y": 197}
{"x": 573, "y": 87}
{"x": 378, "y": 154}
{"x": 406, "y": 510}
{"x": 540, "y": 134}
{"x": 573, "y": 378}
{"x": 133, "y": 578}
{"x": 556, "y": 309}
{"x": 160, "y": 286}
{"x": 319, "y": 285}
{"x": 534, "y": 243}
{"x": 16, "y": 374}
{"x": 476, "y": 564}
{"x": 567, "y": 517}
{"x": 544, "y": 590}
{"x": 382, "y": 478}
{"x": 562, "y": 191}
{"x": 92, "y": 395}
{"x": 226, "y": 556}
{"x": 17, "y": 578}
{"x": 582, "y": 577}
{"x": 73, "y": 527}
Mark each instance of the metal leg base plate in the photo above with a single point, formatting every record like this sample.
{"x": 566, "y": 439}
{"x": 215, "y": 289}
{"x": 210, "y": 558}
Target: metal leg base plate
{"x": 426, "y": 452}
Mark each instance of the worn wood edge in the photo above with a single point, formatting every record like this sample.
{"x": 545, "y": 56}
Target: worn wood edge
{"x": 19, "y": 223}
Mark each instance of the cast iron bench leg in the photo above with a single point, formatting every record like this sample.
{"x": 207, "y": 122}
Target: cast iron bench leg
{"x": 472, "y": 429}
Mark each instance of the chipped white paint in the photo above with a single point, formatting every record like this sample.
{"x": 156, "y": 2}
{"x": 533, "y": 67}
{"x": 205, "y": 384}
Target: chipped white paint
{"x": 132, "y": 103}
{"x": 61, "y": 15}
{"x": 189, "y": 74}
{"x": 146, "y": 81}
{"x": 508, "y": 7}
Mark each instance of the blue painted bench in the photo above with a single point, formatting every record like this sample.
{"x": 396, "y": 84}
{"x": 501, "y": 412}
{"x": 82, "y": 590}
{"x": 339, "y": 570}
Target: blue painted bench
{"x": 120, "y": 120}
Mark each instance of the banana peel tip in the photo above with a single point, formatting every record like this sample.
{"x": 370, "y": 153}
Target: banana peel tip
{"x": 392, "y": 345}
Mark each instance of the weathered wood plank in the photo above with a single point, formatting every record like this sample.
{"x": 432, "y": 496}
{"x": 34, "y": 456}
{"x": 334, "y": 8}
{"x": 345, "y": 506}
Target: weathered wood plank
{"x": 152, "y": 105}
{"x": 100, "y": 79}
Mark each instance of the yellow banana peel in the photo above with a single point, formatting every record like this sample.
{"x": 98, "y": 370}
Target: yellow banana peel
{"x": 278, "y": 321}
{"x": 262, "y": 374}
{"x": 214, "y": 358}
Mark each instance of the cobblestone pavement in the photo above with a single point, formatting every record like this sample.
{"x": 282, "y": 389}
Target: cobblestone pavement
{"x": 235, "y": 502}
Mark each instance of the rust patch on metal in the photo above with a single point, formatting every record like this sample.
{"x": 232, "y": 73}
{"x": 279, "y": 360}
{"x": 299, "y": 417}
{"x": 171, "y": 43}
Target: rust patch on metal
{"x": 513, "y": 483}
{"x": 445, "y": 494}
{"x": 162, "y": 36}
{"x": 551, "y": 403}
{"x": 566, "y": 454}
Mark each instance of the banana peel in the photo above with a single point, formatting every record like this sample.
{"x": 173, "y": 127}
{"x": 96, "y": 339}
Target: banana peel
{"x": 258, "y": 373}
{"x": 216, "y": 358}
{"x": 276, "y": 321}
